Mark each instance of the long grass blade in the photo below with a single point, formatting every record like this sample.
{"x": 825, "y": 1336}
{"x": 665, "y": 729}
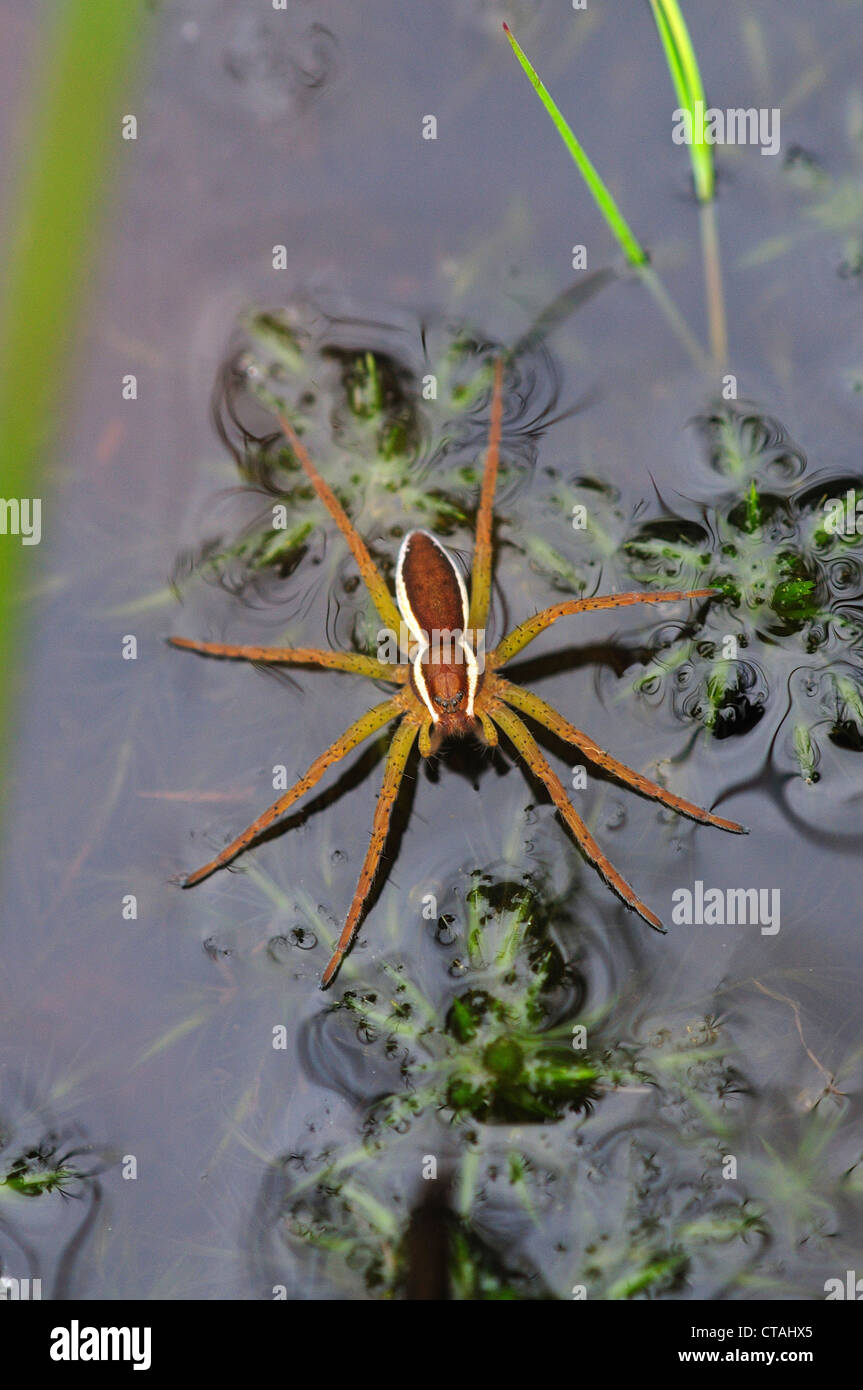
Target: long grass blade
{"x": 626, "y": 239}
{"x": 686, "y": 77}
{"x": 632, "y": 249}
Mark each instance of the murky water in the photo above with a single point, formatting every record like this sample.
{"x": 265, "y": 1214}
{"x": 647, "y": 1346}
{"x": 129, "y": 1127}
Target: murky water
{"x": 225, "y": 1128}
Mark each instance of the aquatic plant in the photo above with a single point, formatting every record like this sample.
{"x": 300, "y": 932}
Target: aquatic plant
{"x": 491, "y": 1144}
{"x": 784, "y": 574}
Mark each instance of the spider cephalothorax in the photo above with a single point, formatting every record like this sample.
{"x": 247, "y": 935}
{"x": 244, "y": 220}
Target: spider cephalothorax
{"x": 448, "y": 685}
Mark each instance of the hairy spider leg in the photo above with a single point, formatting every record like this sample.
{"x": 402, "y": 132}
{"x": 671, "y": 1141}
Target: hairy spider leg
{"x": 361, "y": 729}
{"x": 481, "y": 569}
{"x": 372, "y": 577}
{"x": 531, "y": 704}
{"x": 394, "y": 769}
{"x": 525, "y": 744}
{"x": 356, "y": 662}
{"x": 507, "y": 648}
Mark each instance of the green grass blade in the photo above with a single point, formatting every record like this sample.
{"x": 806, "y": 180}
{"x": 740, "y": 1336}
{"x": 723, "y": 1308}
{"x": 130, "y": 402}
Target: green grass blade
{"x": 71, "y": 123}
{"x": 633, "y": 251}
{"x": 686, "y": 76}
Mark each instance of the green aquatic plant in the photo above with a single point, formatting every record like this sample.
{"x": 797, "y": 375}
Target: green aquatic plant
{"x": 496, "y": 1058}
{"x": 492, "y": 1058}
{"x": 493, "y": 1133}
{"x": 680, "y": 1176}
{"x": 34, "y": 1173}
{"x": 848, "y": 721}
{"x": 768, "y": 587}
{"x": 686, "y": 76}
{"x": 784, "y": 574}
{"x": 826, "y": 703}
{"x": 617, "y": 224}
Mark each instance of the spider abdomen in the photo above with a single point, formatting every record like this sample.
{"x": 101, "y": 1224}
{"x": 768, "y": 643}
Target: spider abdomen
{"x": 430, "y": 590}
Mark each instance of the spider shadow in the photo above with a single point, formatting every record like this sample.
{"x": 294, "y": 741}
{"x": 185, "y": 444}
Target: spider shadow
{"x": 564, "y": 660}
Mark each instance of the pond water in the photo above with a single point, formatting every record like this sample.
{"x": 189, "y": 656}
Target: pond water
{"x": 225, "y": 1128}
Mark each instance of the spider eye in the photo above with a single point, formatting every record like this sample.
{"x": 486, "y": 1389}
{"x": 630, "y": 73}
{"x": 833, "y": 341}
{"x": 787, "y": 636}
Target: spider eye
{"x": 449, "y": 702}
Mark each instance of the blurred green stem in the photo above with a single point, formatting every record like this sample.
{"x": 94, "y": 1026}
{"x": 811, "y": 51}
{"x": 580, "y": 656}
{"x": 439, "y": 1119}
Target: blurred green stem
{"x": 77, "y": 96}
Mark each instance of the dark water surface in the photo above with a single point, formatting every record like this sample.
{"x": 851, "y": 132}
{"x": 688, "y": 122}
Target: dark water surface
{"x": 147, "y": 1045}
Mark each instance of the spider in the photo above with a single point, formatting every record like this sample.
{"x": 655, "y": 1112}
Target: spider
{"x": 446, "y": 688}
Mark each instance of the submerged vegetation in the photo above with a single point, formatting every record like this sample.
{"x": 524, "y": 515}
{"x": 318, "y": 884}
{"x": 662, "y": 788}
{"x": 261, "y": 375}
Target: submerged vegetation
{"x": 791, "y": 583}
{"x": 581, "y": 1153}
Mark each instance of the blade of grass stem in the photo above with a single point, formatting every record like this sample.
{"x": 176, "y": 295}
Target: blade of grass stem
{"x": 632, "y": 249}
{"x": 686, "y": 78}
{"x": 685, "y": 74}
{"x": 713, "y": 284}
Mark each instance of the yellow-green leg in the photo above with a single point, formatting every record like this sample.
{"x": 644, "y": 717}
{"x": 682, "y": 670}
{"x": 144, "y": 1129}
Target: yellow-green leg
{"x": 363, "y": 728}
{"x": 525, "y": 744}
{"x": 399, "y": 752}
{"x": 372, "y": 577}
{"x": 532, "y": 627}
{"x": 356, "y": 662}
{"x": 548, "y": 717}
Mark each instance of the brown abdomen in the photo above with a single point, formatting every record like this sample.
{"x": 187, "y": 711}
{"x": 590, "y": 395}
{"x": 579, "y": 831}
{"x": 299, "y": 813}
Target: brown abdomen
{"x": 431, "y": 585}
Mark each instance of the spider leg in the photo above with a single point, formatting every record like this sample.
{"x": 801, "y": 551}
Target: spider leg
{"x": 525, "y": 744}
{"x": 356, "y": 662}
{"x": 480, "y": 582}
{"x": 403, "y": 741}
{"x": 425, "y": 739}
{"x": 548, "y": 717}
{"x": 526, "y": 631}
{"x": 372, "y": 577}
{"x": 488, "y": 729}
{"x": 361, "y": 729}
